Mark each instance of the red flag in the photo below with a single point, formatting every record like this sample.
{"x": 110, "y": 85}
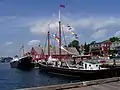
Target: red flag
{"x": 62, "y": 6}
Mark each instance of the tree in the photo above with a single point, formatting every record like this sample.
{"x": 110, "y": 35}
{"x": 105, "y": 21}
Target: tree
{"x": 86, "y": 47}
{"x": 113, "y": 39}
{"x": 93, "y": 42}
{"x": 75, "y": 44}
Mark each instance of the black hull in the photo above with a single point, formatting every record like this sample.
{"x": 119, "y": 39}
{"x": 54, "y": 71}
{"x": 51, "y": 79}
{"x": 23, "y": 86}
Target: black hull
{"x": 14, "y": 64}
{"x": 24, "y": 63}
{"x": 81, "y": 74}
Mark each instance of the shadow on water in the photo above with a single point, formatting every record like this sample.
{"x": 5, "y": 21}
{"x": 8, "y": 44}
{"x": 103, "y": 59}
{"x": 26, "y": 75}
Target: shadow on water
{"x": 60, "y": 79}
{"x": 11, "y": 78}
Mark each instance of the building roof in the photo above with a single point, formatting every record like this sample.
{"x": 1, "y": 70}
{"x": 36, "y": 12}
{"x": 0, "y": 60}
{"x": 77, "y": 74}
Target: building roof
{"x": 103, "y": 42}
{"x": 55, "y": 50}
{"x": 38, "y": 49}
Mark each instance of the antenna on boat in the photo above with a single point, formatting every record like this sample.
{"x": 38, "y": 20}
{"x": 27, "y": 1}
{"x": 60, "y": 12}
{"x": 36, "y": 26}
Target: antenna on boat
{"x": 21, "y": 48}
{"x": 23, "y": 51}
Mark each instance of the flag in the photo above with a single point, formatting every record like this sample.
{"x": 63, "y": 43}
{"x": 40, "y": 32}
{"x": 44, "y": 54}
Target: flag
{"x": 62, "y": 6}
{"x": 50, "y": 46}
{"x": 69, "y": 27}
{"x": 56, "y": 37}
{"x": 76, "y": 37}
{"x": 73, "y": 33}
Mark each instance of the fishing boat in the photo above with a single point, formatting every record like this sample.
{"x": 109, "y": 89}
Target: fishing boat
{"x": 83, "y": 70}
{"x": 23, "y": 63}
{"x": 14, "y": 62}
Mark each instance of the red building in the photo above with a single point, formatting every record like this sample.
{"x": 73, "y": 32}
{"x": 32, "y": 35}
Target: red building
{"x": 101, "y": 48}
{"x": 106, "y": 48}
{"x": 39, "y": 53}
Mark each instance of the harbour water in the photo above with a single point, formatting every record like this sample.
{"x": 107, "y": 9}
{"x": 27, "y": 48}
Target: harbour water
{"x": 11, "y": 78}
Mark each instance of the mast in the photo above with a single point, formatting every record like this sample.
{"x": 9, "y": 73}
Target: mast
{"x": 59, "y": 36}
{"x": 48, "y": 43}
{"x": 23, "y": 50}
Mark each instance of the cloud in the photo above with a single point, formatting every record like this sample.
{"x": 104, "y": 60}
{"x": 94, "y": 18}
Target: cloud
{"x": 34, "y": 42}
{"x": 99, "y": 34}
{"x": 42, "y": 26}
{"x": 93, "y": 25}
{"x": 84, "y": 25}
{"x": 8, "y": 43}
{"x": 117, "y": 34}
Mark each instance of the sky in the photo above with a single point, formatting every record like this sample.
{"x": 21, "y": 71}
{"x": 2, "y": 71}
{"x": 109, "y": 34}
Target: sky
{"x": 27, "y": 21}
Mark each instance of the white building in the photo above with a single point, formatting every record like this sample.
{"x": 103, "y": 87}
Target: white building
{"x": 115, "y": 45}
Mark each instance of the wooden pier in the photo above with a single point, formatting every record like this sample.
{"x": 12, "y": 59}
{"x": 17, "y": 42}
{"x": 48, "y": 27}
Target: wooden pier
{"x": 101, "y": 84}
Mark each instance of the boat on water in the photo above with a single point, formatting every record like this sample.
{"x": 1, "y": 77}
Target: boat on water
{"x": 23, "y": 63}
{"x": 14, "y": 62}
{"x": 82, "y": 70}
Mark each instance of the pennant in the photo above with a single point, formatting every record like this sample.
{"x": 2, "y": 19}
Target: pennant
{"x": 73, "y": 33}
{"x": 56, "y": 37}
{"x": 62, "y": 6}
{"x": 76, "y": 37}
{"x": 50, "y": 46}
{"x": 70, "y": 28}
{"x": 68, "y": 25}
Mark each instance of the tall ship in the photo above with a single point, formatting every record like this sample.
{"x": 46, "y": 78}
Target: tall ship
{"x": 75, "y": 67}
{"x": 24, "y": 62}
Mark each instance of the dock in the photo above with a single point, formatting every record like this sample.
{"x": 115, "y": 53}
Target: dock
{"x": 100, "y": 84}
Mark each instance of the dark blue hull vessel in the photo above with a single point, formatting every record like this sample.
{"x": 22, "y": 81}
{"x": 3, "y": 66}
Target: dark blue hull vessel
{"x": 24, "y": 63}
{"x": 81, "y": 74}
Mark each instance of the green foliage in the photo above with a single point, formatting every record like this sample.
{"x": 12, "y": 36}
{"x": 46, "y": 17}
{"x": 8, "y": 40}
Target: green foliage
{"x": 93, "y": 42}
{"x": 111, "y": 52}
{"x": 113, "y": 39}
{"x": 86, "y": 47}
{"x": 74, "y": 43}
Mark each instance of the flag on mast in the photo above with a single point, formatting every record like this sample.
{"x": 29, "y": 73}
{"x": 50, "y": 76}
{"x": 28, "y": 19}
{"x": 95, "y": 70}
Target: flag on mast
{"x": 56, "y": 37}
{"x": 62, "y": 6}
